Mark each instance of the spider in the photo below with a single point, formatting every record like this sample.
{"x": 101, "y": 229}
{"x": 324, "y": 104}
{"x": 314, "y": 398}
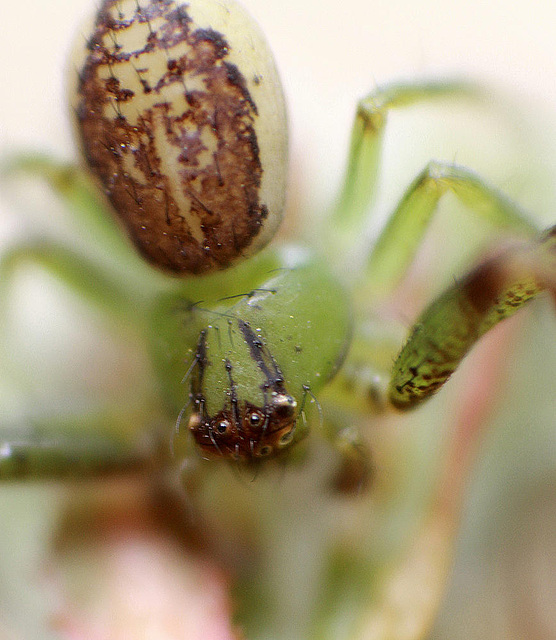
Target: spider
{"x": 181, "y": 124}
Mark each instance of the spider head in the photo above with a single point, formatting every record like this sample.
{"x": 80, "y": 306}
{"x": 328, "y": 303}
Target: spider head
{"x": 246, "y": 432}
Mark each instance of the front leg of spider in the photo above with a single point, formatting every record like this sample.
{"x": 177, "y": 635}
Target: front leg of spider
{"x": 450, "y": 325}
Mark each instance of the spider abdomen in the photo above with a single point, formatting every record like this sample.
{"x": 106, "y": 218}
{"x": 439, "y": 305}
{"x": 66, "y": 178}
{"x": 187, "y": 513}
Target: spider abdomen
{"x": 181, "y": 118}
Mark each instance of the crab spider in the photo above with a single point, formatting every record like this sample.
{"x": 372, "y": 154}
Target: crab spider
{"x": 180, "y": 119}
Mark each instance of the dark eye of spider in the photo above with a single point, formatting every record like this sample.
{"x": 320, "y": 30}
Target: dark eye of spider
{"x": 265, "y": 451}
{"x": 222, "y": 427}
{"x": 255, "y": 419}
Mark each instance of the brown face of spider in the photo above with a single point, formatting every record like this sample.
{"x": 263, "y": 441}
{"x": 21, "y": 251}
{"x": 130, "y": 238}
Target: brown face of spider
{"x": 246, "y": 433}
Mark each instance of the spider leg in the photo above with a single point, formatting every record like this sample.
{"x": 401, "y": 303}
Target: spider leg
{"x": 398, "y": 243}
{"x": 361, "y": 384}
{"x": 82, "y": 445}
{"x": 451, "y": 325}
{"x": 355, "y": 471}
{"x": 358, "y": 390}
{"x": 74, "y": 447}
{"x": 360, "y": 182}
{"x": 77, "y": 272}
{"x": 73, "y": 186}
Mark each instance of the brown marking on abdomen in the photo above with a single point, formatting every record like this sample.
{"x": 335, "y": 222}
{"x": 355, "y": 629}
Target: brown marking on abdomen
{"x": 173, "y": 145}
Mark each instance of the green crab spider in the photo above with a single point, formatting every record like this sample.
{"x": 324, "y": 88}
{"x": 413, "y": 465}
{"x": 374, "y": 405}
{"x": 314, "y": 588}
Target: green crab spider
{"x": 180, "y": 119}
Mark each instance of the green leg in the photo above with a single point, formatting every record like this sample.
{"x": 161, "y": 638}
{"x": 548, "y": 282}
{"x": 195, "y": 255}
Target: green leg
{"x": 82, "y": 276}
{"x": 359, "y": 186}
{"x": 79, "y": 273}
{"x": 451, "y": 325}
{"x": 76, "y": 190}
{"x": 73, "y": 448}
{"x": 400, "y": 239}
{"x": 99, "y": 233}
{"x": 357, "y": 391}
{"x": 83, "y": 446}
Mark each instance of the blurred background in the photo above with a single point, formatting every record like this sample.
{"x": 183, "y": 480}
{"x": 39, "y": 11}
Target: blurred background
{"x": 329, "y": 54}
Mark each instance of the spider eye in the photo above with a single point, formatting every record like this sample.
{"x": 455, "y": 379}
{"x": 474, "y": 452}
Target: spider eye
{"x": 265, "y": 451}
{"x": 255, "y": 419}
{"x": 222, "y": 427}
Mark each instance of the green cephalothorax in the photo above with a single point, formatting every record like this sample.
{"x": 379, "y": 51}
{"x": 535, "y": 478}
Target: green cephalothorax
{"x": 241, "y": 406}
{"x": 256, "y": 363}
